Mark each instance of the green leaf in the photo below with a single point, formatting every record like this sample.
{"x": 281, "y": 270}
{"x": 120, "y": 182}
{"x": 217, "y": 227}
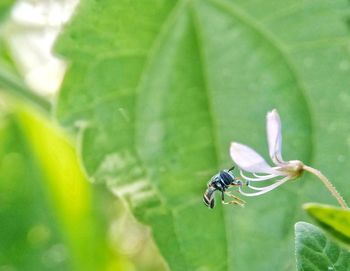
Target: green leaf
{"x": 12, "y": 85}
{"x": 11, "y": 82}
{"x": 4, "y": 8}
{"x": 48, "y": 217}
{"x": 157, "y": 91}
{"x": 334, "y": 220}
{"x": 317, "y": 252}
{"x": 5, "y": 59}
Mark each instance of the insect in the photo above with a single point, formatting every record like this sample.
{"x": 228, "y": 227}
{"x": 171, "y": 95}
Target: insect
{"x": 221, "y": 182}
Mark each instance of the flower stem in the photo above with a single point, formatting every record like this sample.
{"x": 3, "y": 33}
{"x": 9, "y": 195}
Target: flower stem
{"x": 328, "y": 185}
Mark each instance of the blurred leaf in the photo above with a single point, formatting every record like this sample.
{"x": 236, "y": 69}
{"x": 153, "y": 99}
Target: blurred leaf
{"x": 12, "y": 84}
{"x": 316, "y": 252}
{"x": 4, "y": 8}
{"x": 11, "y": 81}
{"x": 334, "y": 220}
{"x": 5, "y": 59}
{"x": 156, "y": 92}
{"x": 47, "y": 212}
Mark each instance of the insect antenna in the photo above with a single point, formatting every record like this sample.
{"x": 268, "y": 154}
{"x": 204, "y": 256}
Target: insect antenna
{"x": 232, "y": 168}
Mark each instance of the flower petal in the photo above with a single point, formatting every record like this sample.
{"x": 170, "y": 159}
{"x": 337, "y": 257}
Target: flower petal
{"x": 263, "y": 190}
{"x": 274, "y": 136}
{"x": 259, "y": 178}
{"x": 249, "y": 160}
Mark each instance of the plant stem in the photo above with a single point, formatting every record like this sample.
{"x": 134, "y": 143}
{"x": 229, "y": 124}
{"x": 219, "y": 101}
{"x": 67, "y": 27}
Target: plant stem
{"x": 328, "y": 185}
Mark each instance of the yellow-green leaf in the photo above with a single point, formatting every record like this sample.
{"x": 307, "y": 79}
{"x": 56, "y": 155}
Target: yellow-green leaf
{"x": 334, "y": 220}
{"x": 47, "y": 207}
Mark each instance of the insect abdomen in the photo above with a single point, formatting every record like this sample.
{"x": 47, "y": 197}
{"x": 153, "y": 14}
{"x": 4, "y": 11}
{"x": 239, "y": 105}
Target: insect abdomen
{"x": 208, "y": 197}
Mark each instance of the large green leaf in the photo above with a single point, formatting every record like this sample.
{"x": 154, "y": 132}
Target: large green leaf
{"x": 317, "y": 252}
{"x": 334, "y": 220}
{"x": 158, "y": 90}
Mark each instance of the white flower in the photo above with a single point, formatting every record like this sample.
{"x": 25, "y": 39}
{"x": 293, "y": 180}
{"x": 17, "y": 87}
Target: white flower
{"x": 250, "y": 161}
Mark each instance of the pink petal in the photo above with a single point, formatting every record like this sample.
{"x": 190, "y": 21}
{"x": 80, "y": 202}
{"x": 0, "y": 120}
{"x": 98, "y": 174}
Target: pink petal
{"x": 249, "y": 160}
{"x": 274, "y": 136}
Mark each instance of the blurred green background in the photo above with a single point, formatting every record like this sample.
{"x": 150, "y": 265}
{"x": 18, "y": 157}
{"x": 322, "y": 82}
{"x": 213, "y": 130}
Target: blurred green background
{"x": 52, "y": 217}
{"x": 115, "y": 114}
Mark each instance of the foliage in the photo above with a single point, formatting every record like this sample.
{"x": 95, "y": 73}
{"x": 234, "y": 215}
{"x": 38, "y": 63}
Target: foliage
{"x": 317, "y": 252}
{"x": 5, "y": 5}
{"x": 334, "y": 220}
{"x": 154, "y": 94}
{"x": 160, "y": 92}
{"x": 46, "y": 204}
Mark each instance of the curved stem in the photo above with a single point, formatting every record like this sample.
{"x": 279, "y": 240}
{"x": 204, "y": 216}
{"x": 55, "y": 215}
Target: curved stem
{"x": 328, "y": 185}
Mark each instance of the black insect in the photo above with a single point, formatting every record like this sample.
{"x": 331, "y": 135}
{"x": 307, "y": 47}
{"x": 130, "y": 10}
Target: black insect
{"x": 221, "y": 182}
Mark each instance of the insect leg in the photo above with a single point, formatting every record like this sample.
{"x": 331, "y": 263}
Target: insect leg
{"x": 237, "y": 182}
{"x": 236, "y": 199}
{"x": 234, "y": 202}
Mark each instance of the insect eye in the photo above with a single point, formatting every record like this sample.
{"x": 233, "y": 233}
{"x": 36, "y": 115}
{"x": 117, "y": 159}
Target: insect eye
{"x": 226, "y": 177}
